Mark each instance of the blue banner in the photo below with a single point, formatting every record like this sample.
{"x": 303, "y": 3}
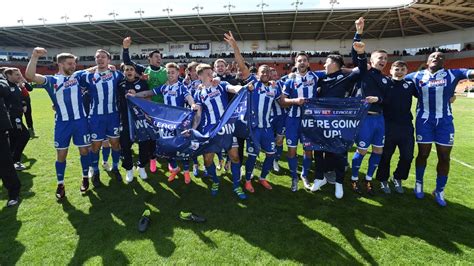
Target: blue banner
{"x": 165, "y": 124}
{"x": 331, "y": 124}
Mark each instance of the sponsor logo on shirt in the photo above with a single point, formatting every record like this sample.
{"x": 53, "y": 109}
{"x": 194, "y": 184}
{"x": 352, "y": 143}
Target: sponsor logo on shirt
{"x": 437, "y": 83}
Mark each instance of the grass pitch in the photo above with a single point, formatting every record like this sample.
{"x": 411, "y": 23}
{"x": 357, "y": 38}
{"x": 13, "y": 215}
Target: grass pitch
{"x": 270, "y": 227}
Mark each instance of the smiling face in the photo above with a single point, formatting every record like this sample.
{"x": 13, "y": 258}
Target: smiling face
{"x": 398, "y": 72}
{"x": 302, "y": 63}
{"x": 102, "y": 60}
{"x": 172, "y": 74}
{"x": 263, "y": 73}
{"x": 220, "y": 67}
{"x": 378, "y": 60}
{"x": 68, "y": 66}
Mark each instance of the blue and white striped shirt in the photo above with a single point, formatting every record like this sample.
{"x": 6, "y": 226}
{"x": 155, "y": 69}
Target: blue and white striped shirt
{"x": 435, "y": 90}
{"x": 174, "y": 95}
{"x": 213, "y": 101}
{"x": 66, "y": 95}
{"x": 301, "y": 86}
{"x": 103, "y": 88}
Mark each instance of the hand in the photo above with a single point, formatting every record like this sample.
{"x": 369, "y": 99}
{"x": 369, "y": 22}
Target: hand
{"x": 39, "y": 52}
{"x": 452, "y": 99}
{"x": 229, "y": 38}
{"x": 272, "y": 83}
{"x": 194, "y": 107}
{"x": 91, "y": 69}
{"x": 131, "y": 93}
{"x": 186, "y": 132}
{"x": 372, "y": 99}
{"x": 250, "y": 86}
{"x": 112, "y": 68}
{"x": 292, "y": 75}
{"x": 215, "y": 82}
{"x": 144, "y": 76}
{"x": 25, "y": 109}
{"x": 359, "y": 23}
{"x": 299, "y": 101}
{"x": 127, "y": 42}
{"x": 359, "y": 47}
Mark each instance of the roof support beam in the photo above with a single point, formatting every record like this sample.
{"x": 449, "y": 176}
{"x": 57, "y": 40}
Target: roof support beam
{"x": 92, "y": 34}
{"x": 323, "y": 26}
{"x": 351, "y": 30}
{"x": 384, "y": 28}
{"x": 159, "y": 31}
{"x": 28, "y": 38}
{"x": 294, "y": 23}
{"x": 183, "y": 29}
{"x": 400, "y": 22}
{"x": 236, "y": 27}
{"x": 62, "y": 33}
{"x": 455, "y": 15}
{"x": 376, "y": 22}
{"x": 428, "y": 15}
{"x": 445, "y": 7}
{"x": 264, "y": 26}
{"x": 415, "y": 19}
{"x": 61, "y": 40}
{"x": 135, "y": 31}
{"x": 208, "y": 28}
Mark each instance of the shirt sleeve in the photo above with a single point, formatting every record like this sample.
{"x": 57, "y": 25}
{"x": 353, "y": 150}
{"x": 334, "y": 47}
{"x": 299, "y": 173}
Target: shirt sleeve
{"x": 225, "y": 85}
{"x": 158, "y": 90}
{"x": 287, "y": 87}
{"x": 184, "y": 91}
{"x": 197, "y": 98}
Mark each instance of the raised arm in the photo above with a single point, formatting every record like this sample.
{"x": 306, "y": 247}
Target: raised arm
{"x": 359, "y": 23}
{"x": 229, "y": 38}
{"x": 359, "y": 48}
{"x": 126, "y": 56}
{"x": 30, "y": 73}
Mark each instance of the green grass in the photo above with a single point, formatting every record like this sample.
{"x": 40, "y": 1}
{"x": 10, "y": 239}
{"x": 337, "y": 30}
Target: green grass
{"x": 270, "y": 227}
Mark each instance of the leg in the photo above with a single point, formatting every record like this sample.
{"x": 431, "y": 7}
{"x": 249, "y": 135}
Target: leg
{"x": 442, "y": 169}
{"x": 9, "y": 176}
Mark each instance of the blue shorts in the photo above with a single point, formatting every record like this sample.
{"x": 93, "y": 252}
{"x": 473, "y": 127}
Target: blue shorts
{"x": 440, "y": 131}
{"x": 371, "y": 132}
{"x": 78, "y": 130}
{"x": 266, "y": 141}
{"x": 279, "y": 124}
{"x": 104, "y": 126}
{"x": 293, "y": 134}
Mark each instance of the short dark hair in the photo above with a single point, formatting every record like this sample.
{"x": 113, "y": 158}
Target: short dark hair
{"x": 150, "y": 55}
{"x": 399, "y": 63}
{"x": 123, "y": 65}
{"x": 302, "y": 53}
{"x": 338, "y": 59}
{"x": 105, "y": 52}
{"x": 191, "y": 65}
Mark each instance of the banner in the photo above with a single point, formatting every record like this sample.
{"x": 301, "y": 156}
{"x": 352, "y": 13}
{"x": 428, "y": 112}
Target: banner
{"x": 331, "y": 124}
{"x": 165, "y": 124}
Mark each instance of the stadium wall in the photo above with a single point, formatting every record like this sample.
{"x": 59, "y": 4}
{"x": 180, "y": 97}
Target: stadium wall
{"x": 343, "y": 46}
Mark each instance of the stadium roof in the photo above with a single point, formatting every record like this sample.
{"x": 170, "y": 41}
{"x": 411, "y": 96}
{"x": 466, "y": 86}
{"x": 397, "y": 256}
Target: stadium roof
{"x": 419, "y": 17}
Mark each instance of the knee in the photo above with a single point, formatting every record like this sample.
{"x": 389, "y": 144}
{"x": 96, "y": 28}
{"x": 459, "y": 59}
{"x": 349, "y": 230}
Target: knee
{"x": 362, "y": 152}
{"x": 444, "y": 158}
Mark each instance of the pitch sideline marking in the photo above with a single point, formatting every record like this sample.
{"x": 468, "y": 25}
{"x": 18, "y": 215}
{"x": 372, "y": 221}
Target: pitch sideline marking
{"x": 459, "y": 161}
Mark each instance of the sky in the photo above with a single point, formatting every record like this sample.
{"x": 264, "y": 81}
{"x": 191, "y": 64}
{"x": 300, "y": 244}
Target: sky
{"x": 33, "y": 11}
